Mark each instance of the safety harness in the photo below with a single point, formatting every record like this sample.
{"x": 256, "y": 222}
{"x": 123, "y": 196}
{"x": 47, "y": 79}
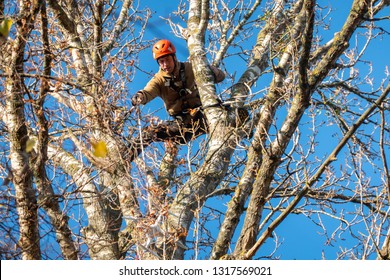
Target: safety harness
{"x": 183, "y": 91}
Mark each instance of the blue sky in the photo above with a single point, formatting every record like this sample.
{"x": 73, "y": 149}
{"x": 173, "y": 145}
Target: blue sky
{"x": 300, "y": 238}
{"x": 158, "y": 29}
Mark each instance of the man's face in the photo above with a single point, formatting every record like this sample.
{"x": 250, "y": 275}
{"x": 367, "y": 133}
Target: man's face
{"x": 167, "y": 63}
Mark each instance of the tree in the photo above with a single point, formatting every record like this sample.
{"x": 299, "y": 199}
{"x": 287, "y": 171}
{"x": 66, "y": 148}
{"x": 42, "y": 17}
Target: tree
{"x": 315, "y": 143}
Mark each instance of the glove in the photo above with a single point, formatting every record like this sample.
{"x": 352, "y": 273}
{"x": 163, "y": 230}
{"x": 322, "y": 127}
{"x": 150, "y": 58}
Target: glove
{"x": 136, "y": 99}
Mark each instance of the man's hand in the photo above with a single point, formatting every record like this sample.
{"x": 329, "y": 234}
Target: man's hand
{"x": 136, "y": 99}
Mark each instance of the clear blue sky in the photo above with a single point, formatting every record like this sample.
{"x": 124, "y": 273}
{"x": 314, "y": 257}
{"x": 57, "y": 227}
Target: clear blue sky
{"x": 158, "y": 29}
{"x": 296, "y": 230}
{"x": 300, "y": 237}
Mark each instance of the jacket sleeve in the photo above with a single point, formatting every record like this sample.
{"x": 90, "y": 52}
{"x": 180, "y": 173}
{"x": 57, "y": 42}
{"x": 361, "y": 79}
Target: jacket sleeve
{"x": 150, "y": 91}
{"x": 218, "y": 74}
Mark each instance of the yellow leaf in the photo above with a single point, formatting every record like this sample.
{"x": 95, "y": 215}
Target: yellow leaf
{"x": 30, "y": 145}
{"x": 90, "y": 108}
{"x": 99, "y": 149}
{"x": 5, "y": 27}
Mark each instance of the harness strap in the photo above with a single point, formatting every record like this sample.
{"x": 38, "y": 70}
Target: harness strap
{"x": 183, "y": 77}
{"x": 182, "y": 91}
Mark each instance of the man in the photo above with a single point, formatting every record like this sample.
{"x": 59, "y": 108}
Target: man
{"x": 175, "y": 85}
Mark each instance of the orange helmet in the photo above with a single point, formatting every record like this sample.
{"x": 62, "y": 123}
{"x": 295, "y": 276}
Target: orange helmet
{"x": 162, "y": 48}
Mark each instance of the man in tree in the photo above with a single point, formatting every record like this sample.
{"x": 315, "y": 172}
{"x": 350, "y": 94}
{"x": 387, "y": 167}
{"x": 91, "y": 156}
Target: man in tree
{"x": 175, "y": 85}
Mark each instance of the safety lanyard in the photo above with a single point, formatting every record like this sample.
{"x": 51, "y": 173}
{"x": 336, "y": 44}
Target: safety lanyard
{"x": 182, "y": 91}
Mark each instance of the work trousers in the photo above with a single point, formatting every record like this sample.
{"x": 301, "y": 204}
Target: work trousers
{"x": 183, "y": 128}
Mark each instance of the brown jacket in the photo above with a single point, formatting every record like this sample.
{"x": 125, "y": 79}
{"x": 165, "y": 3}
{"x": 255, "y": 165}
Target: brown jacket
{"x": 175, "y": 104}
